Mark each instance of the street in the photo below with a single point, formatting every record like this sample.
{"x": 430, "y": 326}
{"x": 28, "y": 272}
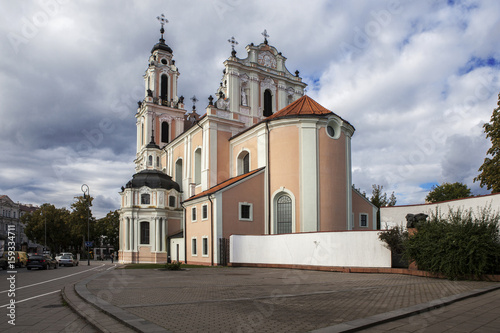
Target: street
{"x": 31, "y": 299}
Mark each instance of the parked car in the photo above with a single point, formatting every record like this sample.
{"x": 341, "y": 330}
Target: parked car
{"x": 68, "y": 260}
{"x": 61, "y": 254}
{"x": 41, "y": 261}
{"x": 20, "y": 258}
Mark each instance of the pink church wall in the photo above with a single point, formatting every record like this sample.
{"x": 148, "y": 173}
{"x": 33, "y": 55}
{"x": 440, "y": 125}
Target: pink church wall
{"x": 250, "y": 191}
{"x": 223, "y": 156}
{"x": 361, "y": 205}
{"x": 332, "y": 182}
{"x": 285, "y": 163}
{"x": 199, "y": 229}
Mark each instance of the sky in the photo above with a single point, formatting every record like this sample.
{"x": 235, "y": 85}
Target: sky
{"x": 417, "y": 79}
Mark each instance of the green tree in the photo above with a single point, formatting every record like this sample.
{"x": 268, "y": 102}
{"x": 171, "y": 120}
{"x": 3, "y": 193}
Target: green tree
{"x": 56, "y": 220}
{"x": 78, "y": 222}
{"x": 379, "y": 199}
{"x": 490, "y": 170}
{"x": 108, "y": 228}
{"x": 447, "y": 191}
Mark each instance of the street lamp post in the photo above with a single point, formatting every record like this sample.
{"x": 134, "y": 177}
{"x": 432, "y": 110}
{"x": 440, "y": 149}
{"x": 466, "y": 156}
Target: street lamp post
{"x": 86, "y": 195}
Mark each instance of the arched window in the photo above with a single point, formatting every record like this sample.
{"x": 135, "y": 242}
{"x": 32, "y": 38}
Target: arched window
{"x": 145, "y": 199}
{"x": 178, "y": 172}
{"x": 150, "y": 160}
{"x": 157, "y": 161}
{"x": 164, "y": 131}
{"x": 243, "y": 163}
{"x": 284, "y": 214}
{"x": 144, "y": 232}
{"x": 268, "y": 103}
{"x": 164, "y": 88}
{"x": 197, "y": 166}
{"x": 142, "y": 134}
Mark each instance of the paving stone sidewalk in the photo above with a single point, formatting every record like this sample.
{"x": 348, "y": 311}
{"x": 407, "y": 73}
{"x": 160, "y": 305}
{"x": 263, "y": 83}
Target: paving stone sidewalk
{"x": 242, "y": 299}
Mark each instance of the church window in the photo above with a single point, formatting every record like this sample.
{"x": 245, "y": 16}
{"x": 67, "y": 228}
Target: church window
{"x": 284, "y": 214}
{"x": 204, "y": 212}
{"x": 178, "y": 173}
{"x": 243, "y": 163}
{"x": 193, "y": 214}
{"x": 171, "y": 201}
{"x": 363, "y": 220}
{"x": 268, "y": 103}
{"x": 164, "y": 61}
{"x": 142, "y": 134}
{"x": 150, "y": 160}
{"x": 164, "y": 131}
{"x": 164, "y": 88}
{"x": 158, "y": 161}
{"x": 145, "y": 199}
{"x": 245, "y": 211}
{"x": 144, "y": 232}
{"x": 197, "y": 166}
{"x": 194, "y": 250}
{"x": 204, "y": 246}
{"x": 330, "y": 130}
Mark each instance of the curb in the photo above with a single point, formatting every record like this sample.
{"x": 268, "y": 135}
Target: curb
{"x": 364, "y": 323}
{"x": 102, "y": 315}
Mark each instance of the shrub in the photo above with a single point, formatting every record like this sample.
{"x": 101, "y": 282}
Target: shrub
{"x": 394, "y": 239}
{"x": 459, "y": 245}
{"x": 173, "y": 266}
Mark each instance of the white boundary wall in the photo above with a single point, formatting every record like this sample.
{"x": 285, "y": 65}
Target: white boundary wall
{"x": 341, "y": 249}
{"x": 396, "y": 215}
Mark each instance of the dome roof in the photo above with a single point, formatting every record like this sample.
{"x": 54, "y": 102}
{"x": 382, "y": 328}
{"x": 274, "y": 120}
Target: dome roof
{"x": 161, "y": 46}
{"x": 153, "y": 179}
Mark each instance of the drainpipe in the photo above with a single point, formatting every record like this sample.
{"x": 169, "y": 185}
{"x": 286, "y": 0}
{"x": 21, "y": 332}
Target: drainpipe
{"x": 211, "y": 231}
{"x": 185, "y": 234}
{"x": 268, "y": 167}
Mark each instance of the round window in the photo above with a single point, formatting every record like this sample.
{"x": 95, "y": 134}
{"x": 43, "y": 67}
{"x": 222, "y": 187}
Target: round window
{"x": 164, "y": 61}
{"x": 330, "y": 130}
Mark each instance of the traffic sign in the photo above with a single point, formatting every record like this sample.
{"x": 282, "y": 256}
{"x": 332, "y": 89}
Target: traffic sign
{"x": 89, "y": 243}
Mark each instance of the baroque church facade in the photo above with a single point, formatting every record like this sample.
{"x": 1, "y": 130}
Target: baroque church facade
{"x": 264, "y": 158}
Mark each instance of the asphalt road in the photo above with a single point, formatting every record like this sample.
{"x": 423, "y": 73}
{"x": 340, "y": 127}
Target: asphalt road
{"x": 31, "y": 299}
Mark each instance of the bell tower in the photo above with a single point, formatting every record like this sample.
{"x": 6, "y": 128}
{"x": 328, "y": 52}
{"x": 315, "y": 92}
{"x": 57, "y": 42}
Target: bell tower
{"x": 160, "y": 115}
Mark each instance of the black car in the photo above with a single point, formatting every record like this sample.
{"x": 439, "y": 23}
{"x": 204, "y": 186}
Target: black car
{"x": 41, "y": 261}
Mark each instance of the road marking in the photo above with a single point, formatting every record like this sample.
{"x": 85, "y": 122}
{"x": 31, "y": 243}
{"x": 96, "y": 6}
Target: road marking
{"x": 27, "y": 299}
{"x": 62, "y": 277}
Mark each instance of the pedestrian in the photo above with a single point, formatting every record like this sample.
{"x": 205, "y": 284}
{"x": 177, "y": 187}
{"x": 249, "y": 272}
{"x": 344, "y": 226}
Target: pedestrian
{"x": 112, "y": 257}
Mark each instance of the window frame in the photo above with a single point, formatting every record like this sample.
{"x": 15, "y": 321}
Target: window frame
{"x": 204, "y": 242}
{"x": 142, "y": 234}
{"x": 194, "y": 246}
{"x": 361, "y": 220}
{"x": 240, "y": 205}
{"x": 194, "y": 213}
{"x": 170, "y": 197}
{"x": 203, "y": 207}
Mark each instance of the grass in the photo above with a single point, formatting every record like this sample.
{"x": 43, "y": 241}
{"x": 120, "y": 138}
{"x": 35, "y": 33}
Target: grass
{"x": 156, "y": 266}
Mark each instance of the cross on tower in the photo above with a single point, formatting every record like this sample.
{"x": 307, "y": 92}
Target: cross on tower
{"x": 265, "y": 36}
{"x": 194, "y": 100}
{"x": 233, "y": 42}
{"x": 162, "y": 21}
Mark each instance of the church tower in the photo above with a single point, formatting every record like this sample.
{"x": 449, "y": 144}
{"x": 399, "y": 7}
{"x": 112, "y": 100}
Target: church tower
{"x": 151, "y": 201}
{"x": 160, "y": 116}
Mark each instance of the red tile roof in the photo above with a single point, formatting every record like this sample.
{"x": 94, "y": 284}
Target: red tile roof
{"x": 303, "y": 106}
{"x": 224, "y": 184}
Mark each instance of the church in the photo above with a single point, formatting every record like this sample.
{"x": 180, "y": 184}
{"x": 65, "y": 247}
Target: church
{"x": 262, "y": 158}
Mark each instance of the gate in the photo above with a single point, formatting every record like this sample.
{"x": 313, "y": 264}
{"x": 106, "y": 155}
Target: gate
{"x": 223, "y": 251}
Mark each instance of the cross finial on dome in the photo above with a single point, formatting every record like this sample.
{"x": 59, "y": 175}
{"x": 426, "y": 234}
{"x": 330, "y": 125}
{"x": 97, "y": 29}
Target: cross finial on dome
{"x": 194, "y": 100}
{"x": 233, "y": 42}
{"x": 264, "y": 33}
{"x": 162, "y": 21}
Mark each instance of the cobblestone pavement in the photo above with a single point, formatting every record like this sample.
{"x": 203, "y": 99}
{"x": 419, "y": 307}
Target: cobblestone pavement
{"x": 477, "y": 314}
{"x": 264, "y": 299}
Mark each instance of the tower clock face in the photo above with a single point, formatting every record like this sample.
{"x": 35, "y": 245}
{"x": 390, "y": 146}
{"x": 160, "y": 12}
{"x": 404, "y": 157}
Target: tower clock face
{"x": 267, "y": 59}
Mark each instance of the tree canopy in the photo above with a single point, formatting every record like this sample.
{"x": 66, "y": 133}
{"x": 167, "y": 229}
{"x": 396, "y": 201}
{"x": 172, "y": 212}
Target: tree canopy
{"x": 379, "y": 199}
{"x": 490, "y": 170}
{"x": 447, "y": 191}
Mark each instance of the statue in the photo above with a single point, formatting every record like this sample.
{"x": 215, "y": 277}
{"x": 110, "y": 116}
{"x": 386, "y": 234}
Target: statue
{"x": 413, "y": 220}
{"x": 243, "y": 97}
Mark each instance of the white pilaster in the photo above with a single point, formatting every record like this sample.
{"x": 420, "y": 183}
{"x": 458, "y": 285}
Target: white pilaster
{"x": 309, "y": 217}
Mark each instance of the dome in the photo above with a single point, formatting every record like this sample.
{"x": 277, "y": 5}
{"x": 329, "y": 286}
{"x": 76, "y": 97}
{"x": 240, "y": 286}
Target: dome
{"x": 161, "y": 46}
{"x": 153, "y": 179}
